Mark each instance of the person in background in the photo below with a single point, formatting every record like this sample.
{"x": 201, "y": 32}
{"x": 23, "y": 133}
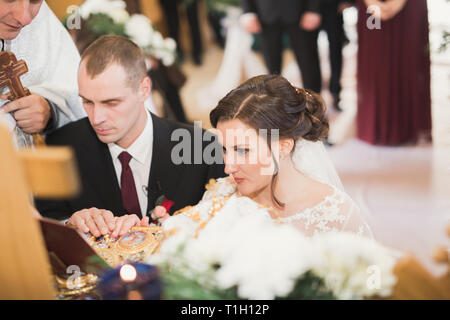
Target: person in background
{"x": 170, "y": 8}
{"x": 393, "y": 81}
{"x": 300, "y": 20}
{"x": 333, "y": 25}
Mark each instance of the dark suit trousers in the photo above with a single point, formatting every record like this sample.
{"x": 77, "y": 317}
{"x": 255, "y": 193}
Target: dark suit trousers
{"x": 169, "y": 91}
{"x": 333, "y": 25}
{"x": 304, "y": 45}
{"x": 173, "y": 22}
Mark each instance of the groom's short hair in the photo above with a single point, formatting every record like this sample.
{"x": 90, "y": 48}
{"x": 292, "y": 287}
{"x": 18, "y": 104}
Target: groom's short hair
{"x": 115, "y": 49}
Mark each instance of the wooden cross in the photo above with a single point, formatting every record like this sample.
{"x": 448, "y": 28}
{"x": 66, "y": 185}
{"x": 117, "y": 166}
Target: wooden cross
{"x": 10, "y": 72}
{"x": 25, "y": 271}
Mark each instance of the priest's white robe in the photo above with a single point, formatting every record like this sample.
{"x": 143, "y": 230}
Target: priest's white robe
{"x": 52, "y": 60}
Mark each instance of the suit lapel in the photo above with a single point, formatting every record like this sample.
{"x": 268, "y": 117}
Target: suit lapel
{"x": 160, "y": 160}
{"x": 103, "y": 180}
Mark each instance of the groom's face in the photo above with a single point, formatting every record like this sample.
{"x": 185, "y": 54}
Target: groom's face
{"x": 115, "y": 109}
{"x": 16, "y": 14}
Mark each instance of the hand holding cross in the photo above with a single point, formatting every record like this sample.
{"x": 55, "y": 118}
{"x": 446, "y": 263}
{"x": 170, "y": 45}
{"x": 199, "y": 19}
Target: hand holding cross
{"x": 10, "y": 72}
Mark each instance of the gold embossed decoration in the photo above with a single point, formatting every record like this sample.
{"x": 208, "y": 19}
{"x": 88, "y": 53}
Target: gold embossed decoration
{"x": 71, "y": 288}
{"x": 135, "y": 246}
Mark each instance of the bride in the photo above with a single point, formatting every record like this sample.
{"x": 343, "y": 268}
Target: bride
{"x": 271, "y": 135}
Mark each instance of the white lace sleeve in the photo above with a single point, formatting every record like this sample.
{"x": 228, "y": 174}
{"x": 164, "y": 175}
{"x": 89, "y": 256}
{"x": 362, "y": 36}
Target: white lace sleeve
{"x": 336, "y": 213}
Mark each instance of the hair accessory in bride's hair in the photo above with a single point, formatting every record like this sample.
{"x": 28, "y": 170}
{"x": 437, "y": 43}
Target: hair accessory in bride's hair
{"x": 301, "y": 91}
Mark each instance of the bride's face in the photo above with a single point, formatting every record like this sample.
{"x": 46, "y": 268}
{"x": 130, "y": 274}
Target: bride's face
{"x": 247, "y": 156}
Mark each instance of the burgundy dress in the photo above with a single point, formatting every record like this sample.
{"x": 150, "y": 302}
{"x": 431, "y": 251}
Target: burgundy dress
{"x": 394, "y": 104}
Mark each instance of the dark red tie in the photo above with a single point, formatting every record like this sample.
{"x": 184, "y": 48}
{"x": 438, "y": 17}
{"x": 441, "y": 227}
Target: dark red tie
{"x": 130, "y": 199}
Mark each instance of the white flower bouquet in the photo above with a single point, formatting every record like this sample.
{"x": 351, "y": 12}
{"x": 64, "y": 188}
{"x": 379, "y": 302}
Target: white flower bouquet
{"x": 103, "y": 17}
{"x": 239, "y": 252}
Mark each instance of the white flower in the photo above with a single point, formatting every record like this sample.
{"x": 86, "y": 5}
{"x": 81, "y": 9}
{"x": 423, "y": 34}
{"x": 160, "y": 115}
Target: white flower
{"x": 140, "y": 30}
{"x": 264, "y": 260}
{"x": 168, "y": 59}
{"x": 347, "y": 267}
{"x": 101, "y": 6}
{"x": 119, "y": 15}
{"x": 182, "y": 228}
{"x": 157, "y": 40}
{"x": 170, "y": 44}
{"x": 137, "y": 27}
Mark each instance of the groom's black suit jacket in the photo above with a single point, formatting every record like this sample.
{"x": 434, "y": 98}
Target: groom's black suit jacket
{"x": 184, "y": 183}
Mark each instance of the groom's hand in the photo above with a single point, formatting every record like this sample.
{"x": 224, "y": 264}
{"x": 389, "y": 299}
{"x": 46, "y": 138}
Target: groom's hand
{"x": 96, "y": 221}
{"x": 126, "y": 222}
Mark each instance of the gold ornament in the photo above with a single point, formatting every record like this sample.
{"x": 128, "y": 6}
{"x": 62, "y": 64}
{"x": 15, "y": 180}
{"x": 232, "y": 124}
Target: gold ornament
{"x": 134, "y": 246}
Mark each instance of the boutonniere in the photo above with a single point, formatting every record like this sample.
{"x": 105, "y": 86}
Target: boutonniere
{"x": 158, "y": 214}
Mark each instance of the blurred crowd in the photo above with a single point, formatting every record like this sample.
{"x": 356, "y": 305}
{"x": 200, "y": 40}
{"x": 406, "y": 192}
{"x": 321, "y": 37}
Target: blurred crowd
{"x": 393, "y": 73}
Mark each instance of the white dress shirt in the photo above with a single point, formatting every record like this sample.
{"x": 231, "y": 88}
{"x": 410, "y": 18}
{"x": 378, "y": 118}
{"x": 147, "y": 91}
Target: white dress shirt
{"x": 141, "y": 153}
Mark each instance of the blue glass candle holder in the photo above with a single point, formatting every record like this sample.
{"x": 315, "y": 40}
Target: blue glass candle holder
{"x": 145, "y": 286}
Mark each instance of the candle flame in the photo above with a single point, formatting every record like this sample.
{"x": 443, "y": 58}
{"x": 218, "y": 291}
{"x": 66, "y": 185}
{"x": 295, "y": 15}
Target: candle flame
{"x": 128, "y": 273}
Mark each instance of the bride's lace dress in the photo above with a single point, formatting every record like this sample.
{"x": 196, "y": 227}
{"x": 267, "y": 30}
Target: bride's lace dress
{"x": 336, "y": 213}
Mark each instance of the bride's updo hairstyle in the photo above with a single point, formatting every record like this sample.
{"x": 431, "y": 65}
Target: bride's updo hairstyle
{"x": 271, "y": 102}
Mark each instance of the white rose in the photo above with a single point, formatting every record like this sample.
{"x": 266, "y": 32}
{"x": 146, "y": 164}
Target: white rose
{"x": 157, "y": 40}
{"x": 345, "y": 269}
{"x": 140, "y": 30}
{"x": 119, "y": 15}
{"x": 168, "y": 59}
{"x": 170, "y": 44}
{"x": 100, "y": 6}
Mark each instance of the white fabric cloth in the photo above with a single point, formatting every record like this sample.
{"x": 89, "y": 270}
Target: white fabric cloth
{"x": 52, "y": 60}
{"x": 141, "y": 152}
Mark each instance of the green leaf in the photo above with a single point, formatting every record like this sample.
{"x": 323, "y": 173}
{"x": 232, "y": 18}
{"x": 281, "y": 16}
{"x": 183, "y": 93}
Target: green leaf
{"x": 179, "y": 287}
{"x": 101, "y": 24}
{"x": 309, "y": 287}
{"x": 159, "y": 201}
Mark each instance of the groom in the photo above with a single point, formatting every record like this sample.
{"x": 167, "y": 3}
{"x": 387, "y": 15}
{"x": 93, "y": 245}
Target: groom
{"x": 124, "y": 153}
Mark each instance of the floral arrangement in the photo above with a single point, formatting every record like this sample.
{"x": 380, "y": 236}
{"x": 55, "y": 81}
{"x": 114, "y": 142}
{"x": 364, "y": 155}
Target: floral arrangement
{"x": 110, "y": 17}
{"x": 230, "y": 248}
